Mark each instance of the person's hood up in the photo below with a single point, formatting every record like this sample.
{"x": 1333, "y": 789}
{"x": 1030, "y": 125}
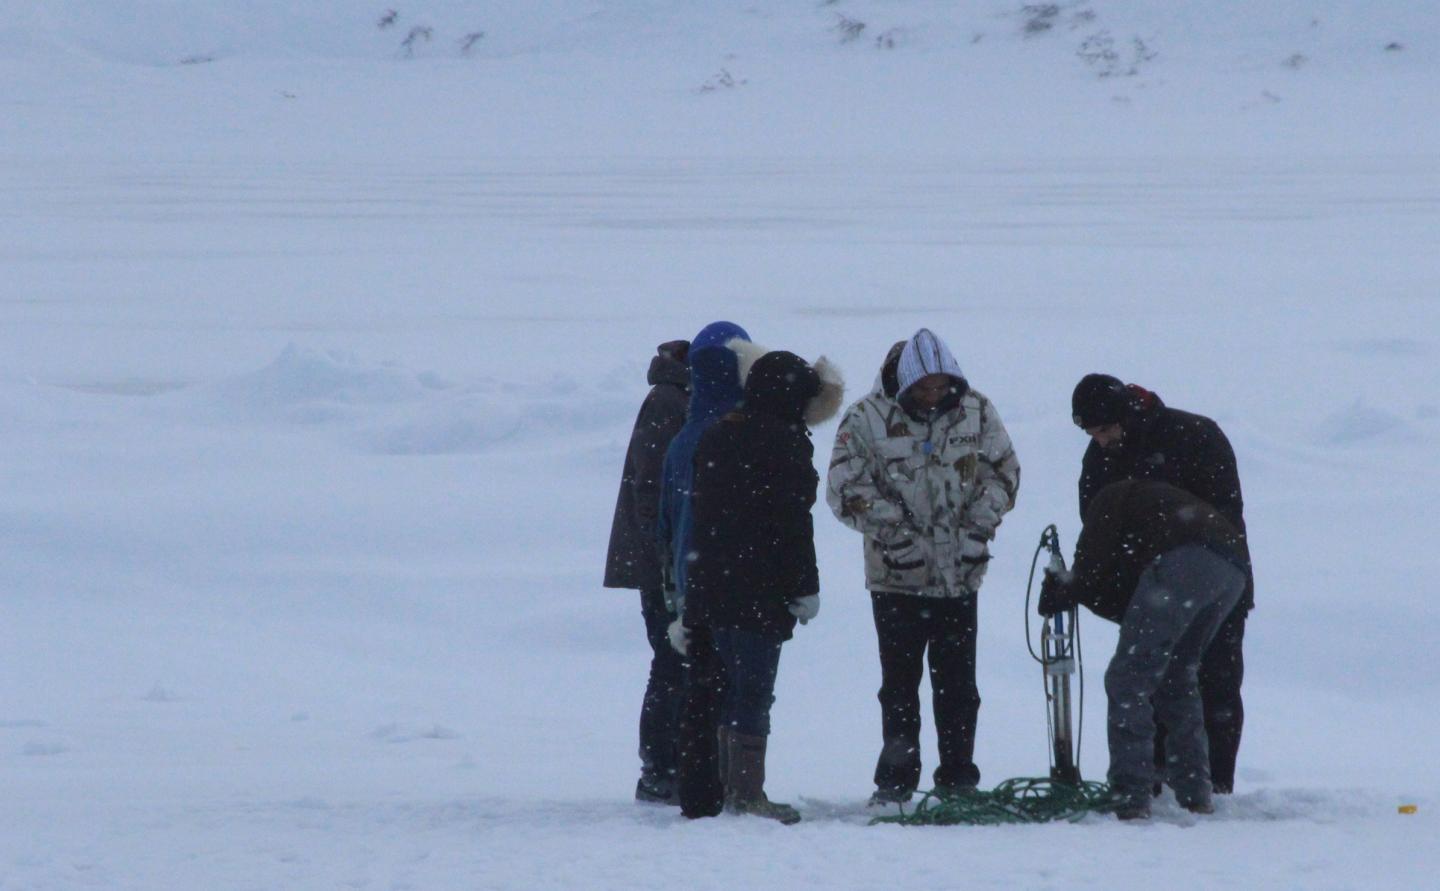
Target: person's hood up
{"x": 717, "y": 334}
{"x": 782, "y": 384}
{"x": 715, "y": 382}
{"x": 887, "y": 381}
{"x": 671, "y": 365}
{"x": 825, "y": 404}
{"x": 923, "y": 355}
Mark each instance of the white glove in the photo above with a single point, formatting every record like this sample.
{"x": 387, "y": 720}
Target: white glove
{"x": 679, "y": 637}
{"x": 805, "y": 608}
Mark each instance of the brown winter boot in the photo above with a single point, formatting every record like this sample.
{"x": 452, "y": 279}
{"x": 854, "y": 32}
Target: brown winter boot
{"x": 745, "y": 780}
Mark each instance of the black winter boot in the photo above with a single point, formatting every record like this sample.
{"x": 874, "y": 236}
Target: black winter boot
{"x": 1197, "y": 802}
{"x": 651, "y": 790}
{"x": 1133, "y": 810}
{"x": 1131, "y": 804}
{"x": 745, "y": 786}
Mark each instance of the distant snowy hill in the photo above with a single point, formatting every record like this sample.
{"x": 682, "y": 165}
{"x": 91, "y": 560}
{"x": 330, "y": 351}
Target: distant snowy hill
{"x": 1229, "y": 34}
{"x": 807, "y": 77}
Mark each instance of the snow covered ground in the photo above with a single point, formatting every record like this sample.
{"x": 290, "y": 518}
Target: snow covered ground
{"x": 318, "y": 356}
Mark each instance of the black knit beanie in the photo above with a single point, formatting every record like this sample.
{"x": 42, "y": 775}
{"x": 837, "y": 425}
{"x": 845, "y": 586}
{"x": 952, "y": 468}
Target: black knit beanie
{"x": 1099, "y": 399}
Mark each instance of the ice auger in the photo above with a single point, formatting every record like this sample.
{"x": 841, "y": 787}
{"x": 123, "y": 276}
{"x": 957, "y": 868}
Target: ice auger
{"x": 1058, "y": 659}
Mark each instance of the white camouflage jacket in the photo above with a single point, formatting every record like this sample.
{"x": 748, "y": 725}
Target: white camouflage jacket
{"x": 928, "y": 497}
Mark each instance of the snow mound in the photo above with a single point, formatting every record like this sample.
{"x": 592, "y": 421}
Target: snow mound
{"x": 1363, "y": 424}
{"x": 496, "y": 413}
{"x": 384, "y": 408}
{"x": 307, "y": 385}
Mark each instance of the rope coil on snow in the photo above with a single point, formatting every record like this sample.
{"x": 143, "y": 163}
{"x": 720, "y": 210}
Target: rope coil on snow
{"x": 1022, "y": 799}
{"x": 1015, "y": 801}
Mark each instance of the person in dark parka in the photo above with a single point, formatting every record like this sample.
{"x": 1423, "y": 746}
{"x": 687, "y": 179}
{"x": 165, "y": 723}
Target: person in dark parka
{"x": 1134, "y": 435}
{"x": 633, "y": 562}
{"x": 1168, "y": 568}
{"x": 753, "y": 572}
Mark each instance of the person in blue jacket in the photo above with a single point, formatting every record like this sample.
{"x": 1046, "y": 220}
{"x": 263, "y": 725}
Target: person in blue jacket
{"x": 715, "y": 389}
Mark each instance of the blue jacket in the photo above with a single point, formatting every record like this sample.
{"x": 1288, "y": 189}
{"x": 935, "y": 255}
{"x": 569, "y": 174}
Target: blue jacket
{"x": 714, "y": 390}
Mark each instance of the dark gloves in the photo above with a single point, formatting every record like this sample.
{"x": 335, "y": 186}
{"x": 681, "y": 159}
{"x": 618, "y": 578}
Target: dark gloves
{"x": 1055, "y": 595}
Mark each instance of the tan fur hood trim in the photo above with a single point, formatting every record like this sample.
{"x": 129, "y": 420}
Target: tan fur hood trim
{"x": 824, "y": 405}
{"x": 747, "y": 354}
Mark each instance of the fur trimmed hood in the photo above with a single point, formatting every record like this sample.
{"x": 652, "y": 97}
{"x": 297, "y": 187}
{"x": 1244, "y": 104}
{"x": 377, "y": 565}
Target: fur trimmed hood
{"x": 826, "y": 385}
{"x": 747, "y": 354}
{"x": 826, "y": 404}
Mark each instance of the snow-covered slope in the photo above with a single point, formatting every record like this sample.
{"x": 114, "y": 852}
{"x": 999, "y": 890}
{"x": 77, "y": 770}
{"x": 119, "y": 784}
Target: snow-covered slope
{"x": 318, "y": 356}
{"x": 570, "y": 77}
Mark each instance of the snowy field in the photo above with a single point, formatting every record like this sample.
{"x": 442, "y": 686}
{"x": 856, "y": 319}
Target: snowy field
{"x": 319, "y": 354}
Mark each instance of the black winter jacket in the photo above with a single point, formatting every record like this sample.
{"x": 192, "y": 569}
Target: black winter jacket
{"x": 633, "y": 560}
{"x": 755, "y": 482}
{"x": 1129, "y": 524}
{"x": 1186, "y": 450}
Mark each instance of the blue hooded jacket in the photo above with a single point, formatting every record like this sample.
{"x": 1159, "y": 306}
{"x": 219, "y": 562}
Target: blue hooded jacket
{"x": 714, "y": 390}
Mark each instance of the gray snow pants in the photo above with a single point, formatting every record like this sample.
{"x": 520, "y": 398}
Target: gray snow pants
{"x": 1179, "y": 604}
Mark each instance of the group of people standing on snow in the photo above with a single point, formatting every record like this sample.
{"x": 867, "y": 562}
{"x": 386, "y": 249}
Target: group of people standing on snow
{"x": 713, "y": 526}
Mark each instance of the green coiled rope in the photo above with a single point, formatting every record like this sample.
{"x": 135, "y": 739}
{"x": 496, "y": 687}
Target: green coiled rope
{"x": 1020, "y": 800}
{"x": 1023, "y": 799}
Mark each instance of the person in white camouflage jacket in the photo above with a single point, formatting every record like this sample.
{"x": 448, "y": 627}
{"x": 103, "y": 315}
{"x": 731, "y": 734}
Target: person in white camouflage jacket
{"x": 923, "y": 467}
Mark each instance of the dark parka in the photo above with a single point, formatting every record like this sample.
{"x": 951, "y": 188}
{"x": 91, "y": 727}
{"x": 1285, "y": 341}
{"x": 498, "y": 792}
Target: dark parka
{"x": 1128, "y": 525}
{"x": 1188, "y": 451}
{"x": 633, "y": 560}
{"x": 755, "y": 482}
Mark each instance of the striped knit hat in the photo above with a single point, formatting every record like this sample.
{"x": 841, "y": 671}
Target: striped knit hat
{"x": 925, "y": 354}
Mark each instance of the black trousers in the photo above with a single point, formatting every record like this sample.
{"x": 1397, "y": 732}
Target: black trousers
{"x": 1222, "y": 670}
{"x": 660, "y": 711}
{"x": 907, "y": 627}
{"x": 697, "y": 739}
